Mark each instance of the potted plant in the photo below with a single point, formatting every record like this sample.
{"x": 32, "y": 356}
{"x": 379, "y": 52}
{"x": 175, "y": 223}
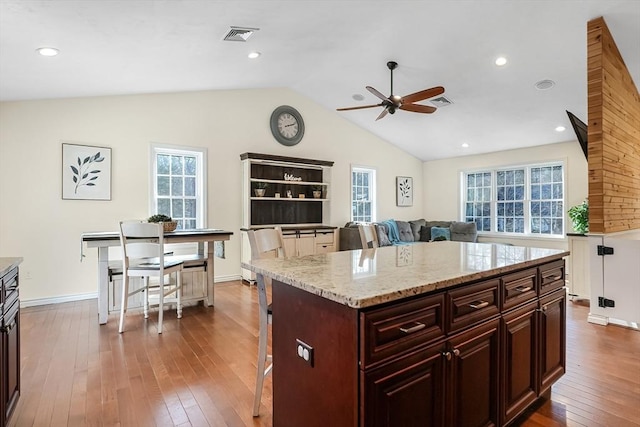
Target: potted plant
{"x": 167, "y": 223}
{"x": 579, "y": 215}
{"x": 260, "y": 188}
{"x": 317, "y": 191}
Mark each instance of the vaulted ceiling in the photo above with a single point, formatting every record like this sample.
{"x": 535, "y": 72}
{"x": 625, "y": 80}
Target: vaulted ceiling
{"x": 329, "y": 51}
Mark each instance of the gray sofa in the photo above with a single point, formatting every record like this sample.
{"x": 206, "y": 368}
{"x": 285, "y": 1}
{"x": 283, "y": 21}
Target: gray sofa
{"x": 408, "y": 231}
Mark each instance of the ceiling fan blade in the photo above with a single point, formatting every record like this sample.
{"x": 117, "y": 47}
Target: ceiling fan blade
{"x": 423, "y": 94}
{"x": 376, "y": 93}
{"x": 417, "y": 108}
{"x": 358, "y": 108}
{"x": 384, "y": 113}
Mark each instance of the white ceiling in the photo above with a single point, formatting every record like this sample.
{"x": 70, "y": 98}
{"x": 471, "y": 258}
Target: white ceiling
{"x": 329, "y": 51}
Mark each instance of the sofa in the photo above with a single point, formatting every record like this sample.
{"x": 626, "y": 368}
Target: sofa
{"x": 420, "y": 230}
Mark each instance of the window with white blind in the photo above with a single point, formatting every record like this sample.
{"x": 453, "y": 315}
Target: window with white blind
{"x": 178, "y": 184}
{"x": 525, "y": 200}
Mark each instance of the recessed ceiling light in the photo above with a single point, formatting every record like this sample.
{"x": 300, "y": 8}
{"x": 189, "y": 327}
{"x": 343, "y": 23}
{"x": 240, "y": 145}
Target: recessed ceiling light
{"x": 500, "y": 61}
{"x": 358, "y": 97}
{"x": 47, "y": 51}
{"x": 560, "y": 129}
{"x": 465, "y": 145}
{"x": 254, "y": 55}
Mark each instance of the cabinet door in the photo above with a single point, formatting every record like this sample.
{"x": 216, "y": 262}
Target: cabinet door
{"x": 11, "y": 366}
{"x": 519, "y": 351}
{"x": 407, "y": 392}
{"x": 3, "y": 375}
{"x": 474, "y": 369}
{"x": 553, "y": 314}
{"x": 289, "y": 242}
{"x": 306, "y": 244}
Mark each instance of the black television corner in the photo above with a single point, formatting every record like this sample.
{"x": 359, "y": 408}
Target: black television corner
{"x": 580, "y": 128}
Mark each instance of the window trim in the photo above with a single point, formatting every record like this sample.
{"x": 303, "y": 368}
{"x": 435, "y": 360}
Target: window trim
{"x": 527, "y": 199}
{"x": 201, "y": 190}
{"x": 373, "y": 186}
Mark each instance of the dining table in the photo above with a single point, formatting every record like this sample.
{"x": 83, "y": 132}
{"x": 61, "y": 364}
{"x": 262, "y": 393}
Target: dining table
{"x": 104, "y": 240}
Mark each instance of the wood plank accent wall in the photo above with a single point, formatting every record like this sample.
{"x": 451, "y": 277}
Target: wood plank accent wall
{"x": 613, "y": 135}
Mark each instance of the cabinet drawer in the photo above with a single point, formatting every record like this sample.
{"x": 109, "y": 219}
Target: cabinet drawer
{"x": 324, "y": 237}
{"x": 324, "y": 248}
{"x": 519, "y": 288}
{"x": 472, "y": 304}
{"x": 399, "y": 328}
{"x": 551, "y": 276}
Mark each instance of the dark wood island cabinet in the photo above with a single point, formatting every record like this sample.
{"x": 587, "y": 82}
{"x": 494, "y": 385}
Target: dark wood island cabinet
{"x": 9, "y": 337}
{"x": 462, "y": 334}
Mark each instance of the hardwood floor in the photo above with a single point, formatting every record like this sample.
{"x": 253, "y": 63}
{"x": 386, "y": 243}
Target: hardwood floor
{"x": 201, "y": 370}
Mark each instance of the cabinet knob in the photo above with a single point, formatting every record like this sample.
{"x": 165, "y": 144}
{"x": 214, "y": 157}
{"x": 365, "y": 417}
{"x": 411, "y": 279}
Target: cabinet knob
{"x": 447, "y": 355}
{"x": 456, "y": 352}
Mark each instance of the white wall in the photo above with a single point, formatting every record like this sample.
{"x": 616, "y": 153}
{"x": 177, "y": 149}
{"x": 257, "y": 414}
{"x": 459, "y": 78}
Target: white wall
{"x": 442, "y": 183}
{"x": 35, "y": 223}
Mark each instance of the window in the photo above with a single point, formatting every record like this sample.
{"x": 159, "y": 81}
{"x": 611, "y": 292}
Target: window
{"x": 363, "y": 194}
{"x": 178, "y": 184}
{"x": 525, "y": 200}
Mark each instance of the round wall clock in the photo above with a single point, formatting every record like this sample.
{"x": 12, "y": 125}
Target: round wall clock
{"x": 287, "y": 125}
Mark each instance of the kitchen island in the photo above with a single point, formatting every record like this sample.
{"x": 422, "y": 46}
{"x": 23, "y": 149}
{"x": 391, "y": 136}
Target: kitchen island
{"x": 429, "y": 334}
{"x": 9, "y": 337}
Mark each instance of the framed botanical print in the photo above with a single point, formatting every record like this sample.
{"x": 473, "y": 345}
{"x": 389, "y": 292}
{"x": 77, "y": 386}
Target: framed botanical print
{"x": 404, "y": 191}
{"x": 86, "y": 172}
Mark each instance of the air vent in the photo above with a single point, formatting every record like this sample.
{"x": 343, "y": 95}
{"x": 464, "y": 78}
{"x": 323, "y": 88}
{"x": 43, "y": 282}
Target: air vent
{"x": 239, "y": 34}
{"x": 441, "y": 101}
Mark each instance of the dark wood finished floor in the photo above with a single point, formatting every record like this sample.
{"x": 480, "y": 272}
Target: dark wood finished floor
{"x": 201, "y": 370}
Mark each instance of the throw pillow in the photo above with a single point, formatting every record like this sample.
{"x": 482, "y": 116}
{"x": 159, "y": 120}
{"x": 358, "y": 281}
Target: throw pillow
{"x": 404, "y": 230}
{"x": 464, "y": 231}
{"x": 415, "y": 228}
{"x": 425, "y": 234}
{"x": 383, "y": 237}
{"x": 440, "y": 232}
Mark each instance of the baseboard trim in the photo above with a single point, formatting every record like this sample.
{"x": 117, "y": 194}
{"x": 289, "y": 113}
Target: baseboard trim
{"x": 94, "y": 295}
{"x": 57, "y": 300}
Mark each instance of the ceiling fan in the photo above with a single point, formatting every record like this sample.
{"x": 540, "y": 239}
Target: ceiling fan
{"x": 395, "y": 102}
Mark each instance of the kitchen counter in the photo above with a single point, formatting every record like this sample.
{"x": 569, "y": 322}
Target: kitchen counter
{"x": 360, "y": 279}
{"x": 7, "y": 263}
{"x": 442, "y": 333}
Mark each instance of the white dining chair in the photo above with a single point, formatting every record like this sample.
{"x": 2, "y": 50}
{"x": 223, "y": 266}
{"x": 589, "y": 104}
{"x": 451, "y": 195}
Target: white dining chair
{"x": 143, "y": 256}
{"x": 368, "y": 236}
{"x": 265, "y": 243}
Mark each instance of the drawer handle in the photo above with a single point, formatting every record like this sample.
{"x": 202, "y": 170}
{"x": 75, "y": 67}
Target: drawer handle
{"x": 523, "y": 289}
{"x": 553, "y": 278}
{"x": 416, "y": 327}
{"x": 478, "y": 304}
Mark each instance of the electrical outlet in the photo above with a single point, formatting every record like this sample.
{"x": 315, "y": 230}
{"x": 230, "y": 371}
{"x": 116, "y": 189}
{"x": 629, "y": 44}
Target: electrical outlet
{"x": 305, "y": 352}
{"x": 27, "y": 275}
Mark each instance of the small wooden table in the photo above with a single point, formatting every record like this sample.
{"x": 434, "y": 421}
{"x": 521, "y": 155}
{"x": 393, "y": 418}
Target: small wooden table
{"x": 104, "y": 240}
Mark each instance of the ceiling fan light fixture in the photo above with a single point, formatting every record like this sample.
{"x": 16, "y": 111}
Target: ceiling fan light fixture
{"x": 47, "y": 51}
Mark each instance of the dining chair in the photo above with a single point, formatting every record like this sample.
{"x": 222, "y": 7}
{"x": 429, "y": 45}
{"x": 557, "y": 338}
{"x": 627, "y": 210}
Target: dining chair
{"x": 265, "y": 243}
{"x": 368, "y": 236}
{"x": 143, "y": 256}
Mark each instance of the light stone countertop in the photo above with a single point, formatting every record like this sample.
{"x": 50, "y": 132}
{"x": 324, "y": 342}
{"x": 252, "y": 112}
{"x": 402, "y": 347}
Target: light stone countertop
{"x": 7, "y": 264}
{"x": 365, "y": 278}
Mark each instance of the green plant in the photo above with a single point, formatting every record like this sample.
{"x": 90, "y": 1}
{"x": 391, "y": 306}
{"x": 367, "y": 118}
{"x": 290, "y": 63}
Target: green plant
{"x": 159, "y": 218}
{"x": 579, "y": 215}
{"x": 261, "y": 185}
{"x": 317, "y": 187}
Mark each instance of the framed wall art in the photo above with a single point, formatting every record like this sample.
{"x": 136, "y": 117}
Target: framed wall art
{"x": 86, "y": 172}
{"x": 404, "y": 191}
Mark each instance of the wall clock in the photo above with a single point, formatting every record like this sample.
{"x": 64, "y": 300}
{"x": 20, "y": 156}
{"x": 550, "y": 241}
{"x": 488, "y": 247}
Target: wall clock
{"x": 287, "y": 125}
